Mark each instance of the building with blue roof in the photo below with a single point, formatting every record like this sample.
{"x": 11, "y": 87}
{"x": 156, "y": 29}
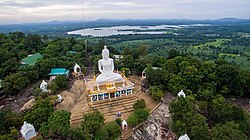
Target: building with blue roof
{"x": 58, "y": 71}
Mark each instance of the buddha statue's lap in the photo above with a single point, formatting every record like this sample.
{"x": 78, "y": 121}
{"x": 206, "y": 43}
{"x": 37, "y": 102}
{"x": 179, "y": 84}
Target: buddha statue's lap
{"x": 106, "y": 67}
{"x": 108, "y": 78}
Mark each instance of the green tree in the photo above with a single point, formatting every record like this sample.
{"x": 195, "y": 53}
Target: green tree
{"x": 221, "y": 111}
{"x": 175, "y": 83}
{"x": 156, "y": 92}
{"x": 14, "y": 83}
{"x": 32, "y": 42}
{"x": 57, "y": 125}
{"x": 102, "y": 134}
{"x": 143, "y": 49}
{"x": 8, "y": 120}
{"x": 228, "y": 131}
{"x": 142, "y": 114}
{"x": 61, "y": 81}
{"x": 172, "y": 53}
{"x": 75, "y": 134}
{"x": 40, "y": 113}
{"x": 53, "y": 87}
{"x": 113, "y": 130}
{"x": 180, "y": 107}
{"x": 92, "y": 122}
{"x": 132, "y": 120}
{"x": 128, "y": 62}
{"x": 229, "y": 78}
{"x": 154, "y": 76}
{"x": 11, "y": 136}
{"x": 198, "y": 127}
{"x": 139, "y": 104}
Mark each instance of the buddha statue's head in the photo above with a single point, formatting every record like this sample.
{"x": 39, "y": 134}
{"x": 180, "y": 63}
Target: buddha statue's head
{"x": 105, "y": 53}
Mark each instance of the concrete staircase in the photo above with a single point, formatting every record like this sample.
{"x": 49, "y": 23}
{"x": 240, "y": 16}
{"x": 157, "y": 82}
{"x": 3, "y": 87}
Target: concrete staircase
{"x": 108, "y": 108}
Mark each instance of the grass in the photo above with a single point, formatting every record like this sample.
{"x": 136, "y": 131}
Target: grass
{"x": 216, "y": 43}
{"x": 242, "y": 61}
{"x": 228, "y": 55}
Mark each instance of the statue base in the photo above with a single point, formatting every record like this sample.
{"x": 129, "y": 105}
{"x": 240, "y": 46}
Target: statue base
{"x": 105, "y": 91}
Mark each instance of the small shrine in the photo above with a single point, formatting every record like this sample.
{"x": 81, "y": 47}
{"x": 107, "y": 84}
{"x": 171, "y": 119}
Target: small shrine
{"x": 184, "y": 137}
{"x": 124, "y": 125}
{"x": 181, "y": 93}
{"x": 77, "y": 71}
{"x": 28, "y": 131}
{"x": 43, "y": 86}
{"x": 108, "y": 84}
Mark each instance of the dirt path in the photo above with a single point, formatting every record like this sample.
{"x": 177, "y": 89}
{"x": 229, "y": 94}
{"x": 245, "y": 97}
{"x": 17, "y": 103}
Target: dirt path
{"x": 71, "y": 96}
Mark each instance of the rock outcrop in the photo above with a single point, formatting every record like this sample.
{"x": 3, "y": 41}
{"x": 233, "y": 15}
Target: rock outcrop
{"x": 156, "y": 127}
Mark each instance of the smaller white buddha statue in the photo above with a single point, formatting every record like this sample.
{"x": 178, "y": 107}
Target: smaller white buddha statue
{"x": 43, "y": 86}
{"x": 106, "y": 67}
{"x": 77, "y": 69}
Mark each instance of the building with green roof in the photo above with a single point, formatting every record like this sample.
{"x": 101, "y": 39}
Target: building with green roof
{"x": 31, "y": 59}
{"x": 58, "y": 71}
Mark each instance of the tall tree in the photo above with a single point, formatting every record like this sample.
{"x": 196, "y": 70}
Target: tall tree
{"x": 228, "y": 131}
{"x": 40, "y": 113}
{"x": 92, "y": 122}
{"x": 57, "y": 125}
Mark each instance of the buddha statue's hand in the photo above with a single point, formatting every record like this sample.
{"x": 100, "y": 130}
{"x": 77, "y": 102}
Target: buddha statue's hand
{"x": 104, "y": 73}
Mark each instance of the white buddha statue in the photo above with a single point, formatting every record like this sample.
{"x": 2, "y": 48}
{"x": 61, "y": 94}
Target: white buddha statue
{"x": 106, "y": 67}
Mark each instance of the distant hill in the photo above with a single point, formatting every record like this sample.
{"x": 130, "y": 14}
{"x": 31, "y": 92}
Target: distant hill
{"x": 61, "y": 27}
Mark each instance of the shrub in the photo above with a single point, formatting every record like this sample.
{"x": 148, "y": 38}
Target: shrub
{"x": 108, "y": 131}
{"x": 53, "y": 87}
{"x": 156, "y": 93}
{"x": 132, "y": 120}
{"x": 36, "y": 91}
{"x": 75, "y": 134}
{"x": 113, "y": 129}
{"x": 11, "y": 136}
{"x": 126, "y": 71}
{"x": 118, "y": 121}
{"x": 141, "y": 114}
{"x": 102, "y": 134}
{"x": 61, "y": 81}
{"x": 139, "y": 104}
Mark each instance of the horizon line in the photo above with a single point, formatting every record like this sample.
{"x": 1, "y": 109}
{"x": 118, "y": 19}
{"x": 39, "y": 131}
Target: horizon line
{"x": 79, "y": 20}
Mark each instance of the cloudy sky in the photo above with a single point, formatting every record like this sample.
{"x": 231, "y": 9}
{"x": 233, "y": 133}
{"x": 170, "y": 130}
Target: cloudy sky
{"x": 23, "y": 11}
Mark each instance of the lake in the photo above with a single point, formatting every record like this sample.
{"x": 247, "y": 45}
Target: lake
{"x": 126, "y": 30}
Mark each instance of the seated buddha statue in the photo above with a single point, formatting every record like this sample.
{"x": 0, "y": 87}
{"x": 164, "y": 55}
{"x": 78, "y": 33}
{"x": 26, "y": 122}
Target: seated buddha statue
{"x": 106, "y": 67}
